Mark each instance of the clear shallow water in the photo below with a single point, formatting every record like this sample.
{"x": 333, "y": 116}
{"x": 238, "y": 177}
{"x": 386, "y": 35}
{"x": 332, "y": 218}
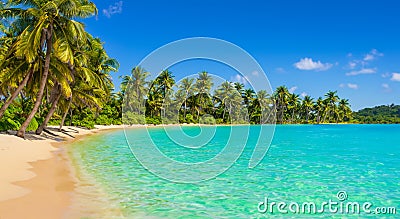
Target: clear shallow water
{"x": 305, "y": 163}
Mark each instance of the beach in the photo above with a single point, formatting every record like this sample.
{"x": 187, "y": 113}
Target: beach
{"x": 37, "y": 180}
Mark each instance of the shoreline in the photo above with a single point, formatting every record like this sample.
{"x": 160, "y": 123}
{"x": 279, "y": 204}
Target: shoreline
{"x": 37, "y": 174}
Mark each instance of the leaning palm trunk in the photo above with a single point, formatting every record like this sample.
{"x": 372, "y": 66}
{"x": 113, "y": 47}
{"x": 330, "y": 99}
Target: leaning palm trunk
{"x": 49, "y": 42}
{"x": 16, "y": 92}
{"x": 65, "y": 114}
{"x": 325, "y": 114}
{"x": 49, "y": 114}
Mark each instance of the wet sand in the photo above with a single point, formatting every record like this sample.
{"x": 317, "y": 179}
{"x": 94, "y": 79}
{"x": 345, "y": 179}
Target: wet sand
{"x": 37, "y": 179}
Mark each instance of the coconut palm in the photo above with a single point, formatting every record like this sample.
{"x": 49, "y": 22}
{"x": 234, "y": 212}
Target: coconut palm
{"x": 203, "y": 86}
{"x": 51, "y": 30}
{"x": 293, "y": 105}
{"x": 15, "y": 72}
{"x": 263, "y": 99}
{"x": 319, "y": 109}
{"x": 344, "y": 110}
{"x": 94, "y": 72}
{"x": 187, "y": 88}
{"x": 281, "y": 101}
{"x": 134, "y": 88}
{"x": 239, "y": 87}
{"x": 225, "y": 93}
{"x": 331, "y": 98}
{"x": 249, "y": 96}
{"x": 307, "y": 105}
{"x": 165, "y": 81}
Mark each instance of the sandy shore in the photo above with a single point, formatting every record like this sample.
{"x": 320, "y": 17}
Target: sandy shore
{"x": 36, "y": 179}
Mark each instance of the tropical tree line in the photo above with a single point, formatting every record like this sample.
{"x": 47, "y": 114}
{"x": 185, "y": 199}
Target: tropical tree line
{"x": 194, "y": 98}
{"x": 387, "y": 114}
{"x": 53, "y": 72}
{"x": 50, "y": 66}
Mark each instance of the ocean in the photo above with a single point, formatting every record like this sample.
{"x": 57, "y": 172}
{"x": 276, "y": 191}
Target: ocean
{"x": 307, "y": 169}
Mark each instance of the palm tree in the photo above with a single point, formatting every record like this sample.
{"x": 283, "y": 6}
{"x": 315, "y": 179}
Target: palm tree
{"x": 187, "y": 88}
{"x": 248, "y": 96}
{"x": 331, "y": 99}
{"x": 263, "y": 100}
{"x": 165, "y": 81}
{"x": 203, "y": 86}
{"x": 281, "y": 101}
{"x": 225, "y": 92}
{"x": 319, "y": 108}
{"x": 95, "y": 73}
{"x": 307, "y": 105}
{"x": 154, "y": 104}
{"x": 239, "y": 87}
{"x": 134, "y": 88}
{"x": 17, "y": 90}
{"x": 15, "y": 71}
{"x": 344, "y": 110}
{"x": 293, "y": 104}
{"x": 52, "y": 30}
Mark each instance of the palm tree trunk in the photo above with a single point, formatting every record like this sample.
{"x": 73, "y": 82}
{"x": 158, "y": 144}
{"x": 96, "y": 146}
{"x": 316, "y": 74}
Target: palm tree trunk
{"x": 49, "y": 114}
{"x": 65, "y": 114}
{"x": 49, "y": 42}
{"x": 16, "y": 92}
{"x": 282, "y": 112}
{"x": 325, "y": 114}
{"x": 292, "y": 116}
{"x": 70, "y": 116}
{"x": 184, "y": 111}
{"x": 307, "y": 115}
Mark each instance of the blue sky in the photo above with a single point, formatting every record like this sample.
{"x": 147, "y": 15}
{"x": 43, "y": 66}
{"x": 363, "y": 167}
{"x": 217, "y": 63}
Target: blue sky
{"x": 309, "y": 46}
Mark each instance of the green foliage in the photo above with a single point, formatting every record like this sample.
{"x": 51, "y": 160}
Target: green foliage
{"x": 10, "y": 119}
{"x": 9, "y": 124}
{"x": 219, "y": 121}
{"x": 379, "y": 114}
{"x": 109, "y": 115}
{"x": 153, "y": 120}
{"x": 208, "y": 120}
{"x": 189, "y": 118}
{"x": 33, "y": 125}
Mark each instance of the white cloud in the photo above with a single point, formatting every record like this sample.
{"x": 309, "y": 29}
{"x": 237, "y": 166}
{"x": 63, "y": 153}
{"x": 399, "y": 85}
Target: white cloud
{"x": 255, "y": 73}
{"x": 386, "y": 86}
{"x": 309, "y": 64}
{"x": 303, "y": 94}
{"x": 352, "y": 86}
{"x": 362, "y": 71}
{"x": 352, "y": 65}
{"x": 113, "y": 9}
{"x": 293, "y": 89}
{"x": 349, "y": 85}
{"x": 395, "y": 77}
{"x": 386, "y": 75}
{"x": 369, "y": 57}
{"x": 280, "y": 70}
{"x": 372, "y": 55}
{"x": 239, "y": 78}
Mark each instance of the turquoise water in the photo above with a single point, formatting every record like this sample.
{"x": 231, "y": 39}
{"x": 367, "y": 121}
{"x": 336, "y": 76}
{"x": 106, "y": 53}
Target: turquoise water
{"x": 305, "y": 163}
